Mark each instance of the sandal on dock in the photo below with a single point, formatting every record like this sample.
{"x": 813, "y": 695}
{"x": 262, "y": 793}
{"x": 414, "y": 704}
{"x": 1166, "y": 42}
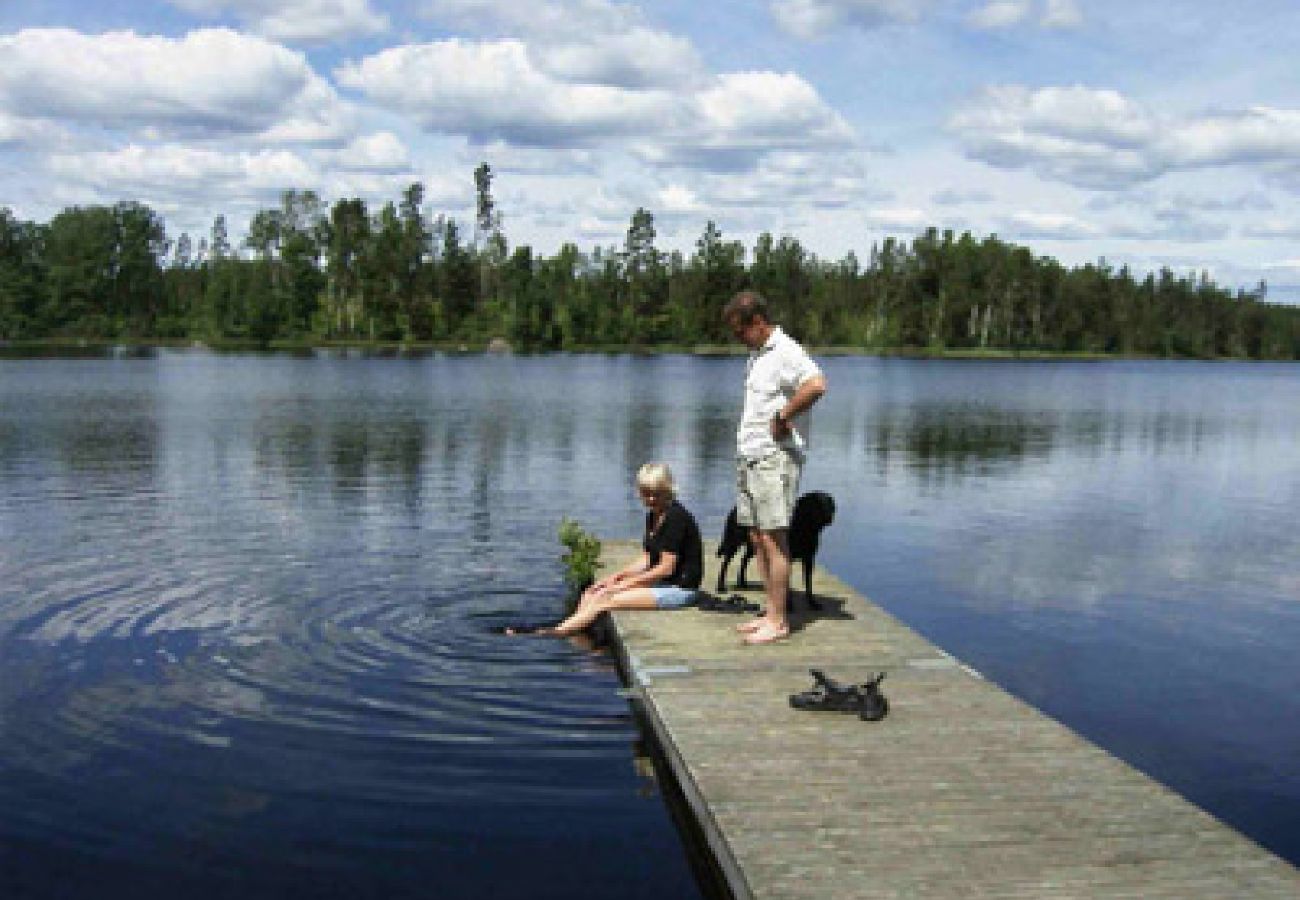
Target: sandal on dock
{"x": 733, "y": 604}
{"x": 709, "y": 602}
{"x": 829, "y": 695}
{"x": 738, "y": 604}
{"x": 874, "y": 704}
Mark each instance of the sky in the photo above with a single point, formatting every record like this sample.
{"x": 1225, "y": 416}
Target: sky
{"x": 1148, "y": 133}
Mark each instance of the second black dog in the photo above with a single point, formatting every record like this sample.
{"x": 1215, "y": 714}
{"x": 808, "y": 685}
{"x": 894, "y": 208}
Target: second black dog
{"x": 812, "y": 512}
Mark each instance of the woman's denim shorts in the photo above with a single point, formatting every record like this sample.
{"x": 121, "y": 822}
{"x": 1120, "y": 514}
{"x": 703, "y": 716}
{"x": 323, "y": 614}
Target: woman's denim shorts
{"x": 670, "y": 596}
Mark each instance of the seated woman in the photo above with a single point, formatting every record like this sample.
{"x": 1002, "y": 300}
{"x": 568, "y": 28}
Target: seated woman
{"x": 667, "y": 573}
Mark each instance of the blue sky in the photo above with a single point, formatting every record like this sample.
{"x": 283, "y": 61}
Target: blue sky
{"x": 1147, "y": 133}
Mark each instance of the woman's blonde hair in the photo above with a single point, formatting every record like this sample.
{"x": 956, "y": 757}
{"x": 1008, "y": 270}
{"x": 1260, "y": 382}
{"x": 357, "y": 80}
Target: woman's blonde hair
{"x": 656, "y": 477}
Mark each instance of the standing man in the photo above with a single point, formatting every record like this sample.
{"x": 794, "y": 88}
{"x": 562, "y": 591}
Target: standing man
{"x": 781, "y": 383}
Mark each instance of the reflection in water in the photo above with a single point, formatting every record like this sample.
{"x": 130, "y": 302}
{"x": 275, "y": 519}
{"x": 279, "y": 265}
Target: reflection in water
{"x": 978, "y": 440}
{"x": 123, "y": 444}
{"x": 1118, "y": 549}
{"x": 246, "y": 603}
{"x": 275, "y": 639}
{"x": 962, "y": 440}
{"x": 645, "y": 428}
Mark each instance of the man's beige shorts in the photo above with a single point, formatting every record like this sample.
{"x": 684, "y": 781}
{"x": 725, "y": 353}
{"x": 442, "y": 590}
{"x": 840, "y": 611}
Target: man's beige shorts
{"x": 766, "y": 490}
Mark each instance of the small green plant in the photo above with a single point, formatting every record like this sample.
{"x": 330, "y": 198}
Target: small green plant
{"x": 583, "y": 553}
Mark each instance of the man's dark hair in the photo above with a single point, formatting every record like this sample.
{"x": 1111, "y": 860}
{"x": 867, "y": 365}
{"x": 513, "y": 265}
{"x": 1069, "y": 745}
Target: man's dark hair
{"x": 745, "y": 307}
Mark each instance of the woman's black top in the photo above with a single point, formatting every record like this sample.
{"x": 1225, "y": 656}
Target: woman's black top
{"x": 677, "y": 534}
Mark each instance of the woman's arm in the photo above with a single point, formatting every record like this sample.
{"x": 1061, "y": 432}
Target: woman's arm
{"x": 649, "y": 575}
{"x": 619, "y": 578}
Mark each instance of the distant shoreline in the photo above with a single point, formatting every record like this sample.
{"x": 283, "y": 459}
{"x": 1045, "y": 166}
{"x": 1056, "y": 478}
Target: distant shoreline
{"x": 98, "y": 346}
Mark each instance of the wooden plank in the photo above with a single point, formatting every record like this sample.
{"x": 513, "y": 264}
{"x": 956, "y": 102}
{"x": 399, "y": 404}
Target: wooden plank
{"x": 963, "y": 791}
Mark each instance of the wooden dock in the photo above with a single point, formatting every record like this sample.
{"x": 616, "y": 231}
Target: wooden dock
{"x": 962, "y": 792}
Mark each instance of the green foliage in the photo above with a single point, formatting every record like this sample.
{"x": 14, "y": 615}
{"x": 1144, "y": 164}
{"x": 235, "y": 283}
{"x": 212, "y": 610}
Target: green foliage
{"x": 314, "y": 271}
{"x": 102, "y": 273}
{"x": 22, "y": 274}
{"x": 581, "y": 556}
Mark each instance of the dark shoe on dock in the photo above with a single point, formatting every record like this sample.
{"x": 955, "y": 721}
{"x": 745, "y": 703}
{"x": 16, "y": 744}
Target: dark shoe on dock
{"x": 875, "y": 706}
{"x": 733, "y": 604}
{"x": 829, "y": 695}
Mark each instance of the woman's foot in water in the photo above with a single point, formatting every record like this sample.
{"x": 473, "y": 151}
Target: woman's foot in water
{"x": 528, "y": 630}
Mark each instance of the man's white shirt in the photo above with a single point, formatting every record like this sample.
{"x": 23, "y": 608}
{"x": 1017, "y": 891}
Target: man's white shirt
{"x": 773, "y": 373}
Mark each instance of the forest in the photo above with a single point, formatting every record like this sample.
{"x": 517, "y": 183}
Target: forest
{"x": 311, "y": 272}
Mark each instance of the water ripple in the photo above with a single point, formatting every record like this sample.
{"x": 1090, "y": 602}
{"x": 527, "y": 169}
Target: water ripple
{"x": 370, "y": 693}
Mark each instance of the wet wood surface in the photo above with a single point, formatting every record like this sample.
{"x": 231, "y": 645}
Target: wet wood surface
{"x": 962, "y": 791}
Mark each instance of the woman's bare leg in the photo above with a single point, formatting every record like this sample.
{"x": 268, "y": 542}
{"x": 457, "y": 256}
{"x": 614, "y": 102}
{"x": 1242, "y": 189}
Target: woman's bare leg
{"x": 585, "y": 615}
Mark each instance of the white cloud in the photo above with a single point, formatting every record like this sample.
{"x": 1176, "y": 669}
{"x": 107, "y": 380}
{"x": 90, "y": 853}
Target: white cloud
{"x": 493, "y": 91}
{"x": 539, "y": 163}
{"x": 1258, "y": 134}
{"x": 770, "y": 197}
{"x": 899, "y": 218}
{"x": 1252, "y": 201}
{"x": 809, "y": 19}
{"x": 776, "y": 110}
{"x": 309, "y": 21}
{"x": 676, "y": 199}
{"x": 1070, "y": 113}
{"x": 208, "y": 83}
{"x": 1101, "y": 139}
{"x": 1001, "y": 14}
{"x": 12, "y": 130}
{"x": 382, "y": 151}
{"x": 1274, "y": 230}
{"x": 16, "y": 131}
{"x": 639, "y": 58}
{"x": 553, "y": 18}
{"x": 377, "y": 186}
{"x": 788, "y": 180}
{"x": 1286, "y": 177}
{"x": 1172, "y": 225}
{"x": 742, "y": 120}
{"x": 593, "y": 228}
{"x": 592, "y": 41}
{"x": 1062, "y": 14}
{"x": 1048, "y": 226}
{"x": 1090, "y": 138}
{"x": 1249, "y": 201}
{"x": 192, "y": 183}
{"x": 174, "y": 171}
{"x": 954, "y": 197}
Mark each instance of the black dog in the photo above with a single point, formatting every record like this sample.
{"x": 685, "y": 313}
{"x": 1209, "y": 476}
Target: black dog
{"x": 812, "y": 512}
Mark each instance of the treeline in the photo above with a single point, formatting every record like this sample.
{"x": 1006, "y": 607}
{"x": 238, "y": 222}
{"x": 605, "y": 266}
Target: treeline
{"x": 309, "y": 271}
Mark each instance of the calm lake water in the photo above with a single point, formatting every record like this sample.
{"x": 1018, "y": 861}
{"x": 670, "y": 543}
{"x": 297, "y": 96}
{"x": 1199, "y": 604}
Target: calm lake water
{"x": 247, "y": 602}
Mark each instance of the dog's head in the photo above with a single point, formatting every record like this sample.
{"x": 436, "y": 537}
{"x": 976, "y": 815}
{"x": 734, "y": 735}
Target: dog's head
{"x": 818, "y": 506}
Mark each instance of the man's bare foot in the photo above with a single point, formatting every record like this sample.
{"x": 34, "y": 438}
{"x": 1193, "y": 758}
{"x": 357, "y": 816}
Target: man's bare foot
{"x": 767, "y": 633}
{"x": 751, "y": 626}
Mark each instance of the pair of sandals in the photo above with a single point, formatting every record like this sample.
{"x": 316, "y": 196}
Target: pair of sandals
{"x": 733, "y": 604}
{"x": 828, "y": 695}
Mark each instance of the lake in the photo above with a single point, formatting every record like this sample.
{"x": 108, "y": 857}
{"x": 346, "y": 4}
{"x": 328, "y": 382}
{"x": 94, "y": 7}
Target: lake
{"x": 248, "y": 603}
